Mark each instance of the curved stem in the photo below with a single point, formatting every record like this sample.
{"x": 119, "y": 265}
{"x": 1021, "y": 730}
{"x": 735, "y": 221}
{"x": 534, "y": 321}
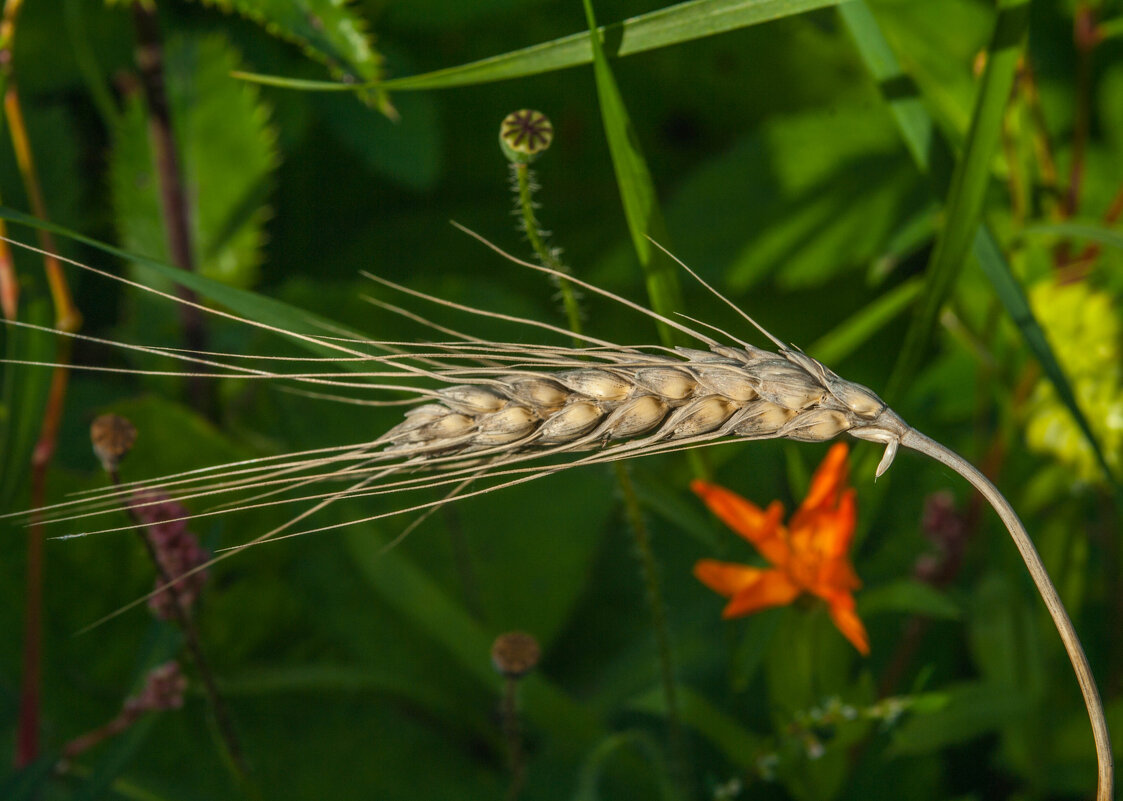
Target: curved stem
{"x": 918, "y": 442}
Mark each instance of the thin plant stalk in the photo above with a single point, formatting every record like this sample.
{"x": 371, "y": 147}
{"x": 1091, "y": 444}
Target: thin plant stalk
{"x": 68, "y": 319}
{"x": 169, "y": 584}
{"x": 173, "y": 198}
{"x": 1104, "y": 759}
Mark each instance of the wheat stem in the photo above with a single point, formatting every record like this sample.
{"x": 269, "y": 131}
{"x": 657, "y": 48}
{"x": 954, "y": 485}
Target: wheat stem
{"x": 1105, "y": 767}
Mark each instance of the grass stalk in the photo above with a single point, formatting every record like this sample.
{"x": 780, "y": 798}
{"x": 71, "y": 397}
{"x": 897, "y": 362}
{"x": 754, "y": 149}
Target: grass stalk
{"x": 1104, "y": 760}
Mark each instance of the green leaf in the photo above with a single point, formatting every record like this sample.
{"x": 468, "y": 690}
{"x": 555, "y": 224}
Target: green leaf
{"x": 739, "y": 745}
{"x": 588, "y": 779}
{"x": 428, "y": 607}
{"x": 801, "y": 198}
{"x": 1076, "y": 230}
{"x": 933, "y": 156}
{"x": 263, "y": 311}
{"x": 667, "y": 26}
{"x": 227, "y": 155}
{"x": 329, "y": 31}
{"x": 908, "y": 596}
{"x": 968, "y": 711}
{"x": 23, "y": 396}
{"x": 637, "y": 190}
{"x": 964, "y": 205}
{"x": 849, "y": 335}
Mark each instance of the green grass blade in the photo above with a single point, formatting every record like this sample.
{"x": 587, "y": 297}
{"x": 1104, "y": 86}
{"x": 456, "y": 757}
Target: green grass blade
{"x": 407, "y": 588}
{"x": 964, "y": 205}
{"x": 246, "y": 304}
{"x": 847, "y": 337}
{"x": 637, "y": 189}
{"x": 739, "y": 745}
{"x": 1014, "y": 300}
{"x": 667, "y": 26}
{"x": 1076, "y": 230}
{"x": 932, "y": 156}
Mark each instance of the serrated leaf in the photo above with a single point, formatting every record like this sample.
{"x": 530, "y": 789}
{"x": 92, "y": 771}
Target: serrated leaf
{"x": 227, "y": 154}
{"x": 329, "y": 31}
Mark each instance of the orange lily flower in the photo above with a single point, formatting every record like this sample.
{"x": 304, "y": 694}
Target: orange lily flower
{"x": 809, "y": 555}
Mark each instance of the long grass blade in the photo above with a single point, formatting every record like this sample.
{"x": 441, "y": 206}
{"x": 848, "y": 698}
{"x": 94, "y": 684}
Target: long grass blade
{"x": 964, "y": 205}
{"x": 933, "y": 156}
{"x": 637, "y": 189}
{"x": 667, "y": 26}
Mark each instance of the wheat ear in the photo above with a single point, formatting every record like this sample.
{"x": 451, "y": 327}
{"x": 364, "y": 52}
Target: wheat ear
{"x": 505, "y": 404}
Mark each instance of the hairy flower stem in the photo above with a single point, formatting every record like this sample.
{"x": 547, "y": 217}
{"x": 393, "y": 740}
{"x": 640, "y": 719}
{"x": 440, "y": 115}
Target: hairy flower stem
{"x": 541, "y": 249}
{"x": 1105, "y": 768}
{"x": 222, "y": 718}
{"x": 658, "y": 608}
{"x": 640, "y": 533}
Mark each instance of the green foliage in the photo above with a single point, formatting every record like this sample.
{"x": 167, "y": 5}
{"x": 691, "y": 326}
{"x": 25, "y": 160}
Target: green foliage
{"x": 838, "y": 172}
{"x": 227, "y": 154}
{"x": 329, "y": 31}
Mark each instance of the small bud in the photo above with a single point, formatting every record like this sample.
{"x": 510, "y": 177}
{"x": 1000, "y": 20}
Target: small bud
{"x": 525, "y": 134}
{"x": 112, "y": 437}
{"x": 515, "y": 654}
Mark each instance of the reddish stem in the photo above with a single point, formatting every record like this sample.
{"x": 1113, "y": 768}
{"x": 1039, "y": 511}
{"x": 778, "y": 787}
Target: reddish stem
{"x": 173, "y": 198}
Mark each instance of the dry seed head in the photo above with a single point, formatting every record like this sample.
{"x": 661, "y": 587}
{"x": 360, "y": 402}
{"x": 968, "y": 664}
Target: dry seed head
{"x": 515, "y": 654}
{"x": 112, "y": 437}
{"x": 724, "y": 391}
{"x": 524, "y": 135}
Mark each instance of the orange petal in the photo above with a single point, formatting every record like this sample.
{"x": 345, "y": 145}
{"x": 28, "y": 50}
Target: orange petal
{"x": 725, "y": 578}
{"x": 772, "y": 588}
{"x": 758, "y": 526}
{"x": 827, "y": 483}
{"x": 848, "y": 622}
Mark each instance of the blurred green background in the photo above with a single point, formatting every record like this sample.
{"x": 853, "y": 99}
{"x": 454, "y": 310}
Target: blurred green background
{"x": 804, "y": 167}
